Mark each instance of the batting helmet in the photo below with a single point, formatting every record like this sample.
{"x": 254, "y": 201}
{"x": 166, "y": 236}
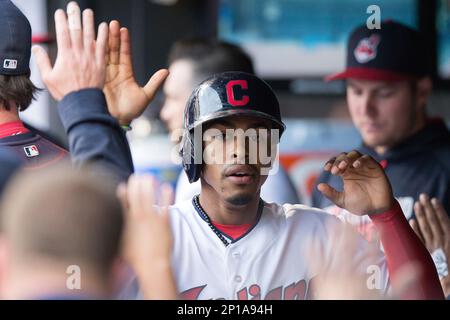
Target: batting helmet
{"x": 224, "y": 95}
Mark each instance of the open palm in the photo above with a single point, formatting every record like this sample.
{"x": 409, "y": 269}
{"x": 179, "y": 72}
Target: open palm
{"x": 126, "y": 99}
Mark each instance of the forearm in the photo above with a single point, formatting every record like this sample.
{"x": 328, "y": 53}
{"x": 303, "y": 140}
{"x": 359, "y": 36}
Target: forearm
{"x": 95, "y": 137}
{"x": 156, "y": 281}
{"x": 402, "y": 247}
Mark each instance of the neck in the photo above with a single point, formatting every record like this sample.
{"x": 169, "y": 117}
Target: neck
{"x": 10, "y": 115}
{"x": 39, "y": 283}
{"x": 223, "y": 212}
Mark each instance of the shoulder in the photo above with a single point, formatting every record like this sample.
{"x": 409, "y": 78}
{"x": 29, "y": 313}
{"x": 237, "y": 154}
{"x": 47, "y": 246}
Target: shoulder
{"x": 183, "y": 210}
{"x": 277, "y": 181}
{"x": 18, "y": 140}
{"x": 184, "y": 189}
{"x": 298, "y": 215}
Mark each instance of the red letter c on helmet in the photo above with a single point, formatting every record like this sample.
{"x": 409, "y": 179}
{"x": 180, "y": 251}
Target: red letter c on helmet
{"x": 230, "y": 93}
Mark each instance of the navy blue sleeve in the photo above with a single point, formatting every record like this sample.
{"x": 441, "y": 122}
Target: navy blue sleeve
{"x": 95, "y": 137}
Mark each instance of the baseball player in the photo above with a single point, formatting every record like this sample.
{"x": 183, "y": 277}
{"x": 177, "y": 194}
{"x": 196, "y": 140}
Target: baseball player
{"x": 190, "y": 62}
{"x": 244, "y": 248}
{"x": 17, "y": 92}
{"x": 227, "y": 242}
{"x": 388, "y": 83}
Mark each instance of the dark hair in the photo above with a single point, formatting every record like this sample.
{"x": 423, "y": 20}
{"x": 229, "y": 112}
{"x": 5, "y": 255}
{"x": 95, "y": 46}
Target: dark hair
{"x": 210, "y": 56}
{"x": 18, "y": 89}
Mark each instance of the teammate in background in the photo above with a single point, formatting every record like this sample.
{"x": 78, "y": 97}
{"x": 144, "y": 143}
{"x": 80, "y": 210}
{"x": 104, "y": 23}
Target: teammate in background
{"x": 190, "y": 62}
{"x": 388, "y": 86}
{"x": 265, "y": 254}
{"x": 62, "y": 240}
{"x": 432, "y": 226}
{"x": 17, "y": 91}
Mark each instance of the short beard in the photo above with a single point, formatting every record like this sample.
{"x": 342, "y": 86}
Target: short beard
{"x": 240, "y": 200}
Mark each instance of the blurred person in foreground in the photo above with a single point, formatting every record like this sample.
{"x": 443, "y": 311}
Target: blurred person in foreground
{"x": 61, "y": 241}
{"x": 68, "y": 239}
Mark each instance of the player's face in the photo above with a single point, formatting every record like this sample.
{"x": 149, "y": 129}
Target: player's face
{"x": 232, "y": 169}
{"x": 177, "y": 90}
{"x": 384, "y": 112}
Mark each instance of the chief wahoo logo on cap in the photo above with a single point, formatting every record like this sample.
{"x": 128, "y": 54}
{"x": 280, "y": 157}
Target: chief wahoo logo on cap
{"x": 366, "y": 49}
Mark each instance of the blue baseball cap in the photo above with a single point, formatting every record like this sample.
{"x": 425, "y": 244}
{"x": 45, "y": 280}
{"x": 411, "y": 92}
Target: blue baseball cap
{"x": 15, "y": 40}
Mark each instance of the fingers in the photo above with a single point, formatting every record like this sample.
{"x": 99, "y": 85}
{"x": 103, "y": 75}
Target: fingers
{"x": 125, "y": 47}
{"x": 74, "y": 19}
{"x": 346, "y": 160}
{"x": 134, "y": 196}
{"x": 341, "y": 162}
{"x": 332, "y": 194}
{"x": 142, "y": 195}
{"x": 62, "y": 31}
{"x": 148, "y": 189}
{"x": 166, "y": 195}
{"x": 122, "y": 194}
{"x": 114, "y": 42}
{"x": 101, "y": 44}
{"x": 423, "y": 224}
{"x": 441, "y": 215}
{"x": 155, "y": 82}
{"x": 329, "y": 164}
{"x": 338, "y": 165}
{"x": 415, "y": 226}
{"x": 430, "y": 214}
{"x": 43, "y": 62}
{"x": 88, "y": 29}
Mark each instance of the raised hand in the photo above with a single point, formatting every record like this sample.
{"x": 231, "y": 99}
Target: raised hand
{"x": 366, "y": 188}
{"x": 80, "y": 63}
{"x": 126, "y": 99}
{"x": 432, "y": 226}
{"x": 147, "y": 242}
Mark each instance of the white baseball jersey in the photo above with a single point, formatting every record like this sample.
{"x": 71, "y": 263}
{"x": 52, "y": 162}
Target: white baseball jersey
{"x": 276, "y": 259}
